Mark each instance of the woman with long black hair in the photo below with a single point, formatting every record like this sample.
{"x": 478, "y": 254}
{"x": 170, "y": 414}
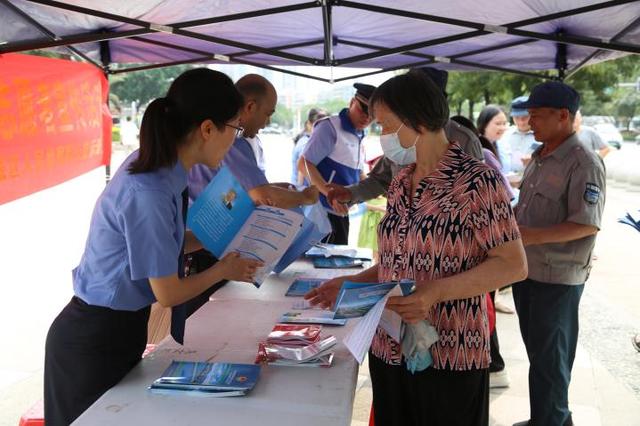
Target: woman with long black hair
{"x": 137, "y": 238}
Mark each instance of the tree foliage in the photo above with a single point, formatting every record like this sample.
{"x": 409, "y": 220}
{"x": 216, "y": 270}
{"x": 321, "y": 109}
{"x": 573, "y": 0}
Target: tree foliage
{"x": 596, "y": 84}
{"x": 143, "y": 86}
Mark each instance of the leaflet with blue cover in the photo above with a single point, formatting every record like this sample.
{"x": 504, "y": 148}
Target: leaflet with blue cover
{"x": 225, "y": 219}
{"x": 301, "y": 286}
{"x": 336, "y": 262}
{"x": 326, "y": 250}
{"x": 207, "y": 377}
{"x": 314, "y": 228}
{"x": 355, "y": 299}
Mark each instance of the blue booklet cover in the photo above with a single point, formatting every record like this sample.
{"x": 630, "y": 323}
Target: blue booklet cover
{"x": 225, "y": 220}
{"x": 302, "y": 286}
{"x": 356, "y": 299}
{"x": 315, "y": 227}
{"x": 219, "y": 212}
{"x": 336, "y": 262}
{"x": 208, "y": 377}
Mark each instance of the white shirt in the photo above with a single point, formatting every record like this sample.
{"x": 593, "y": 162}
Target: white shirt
{"x": 514, "y": 145}
{"x": 256, "y": 146}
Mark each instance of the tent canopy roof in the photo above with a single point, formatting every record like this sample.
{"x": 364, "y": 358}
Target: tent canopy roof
{"x": 504, "y": 35}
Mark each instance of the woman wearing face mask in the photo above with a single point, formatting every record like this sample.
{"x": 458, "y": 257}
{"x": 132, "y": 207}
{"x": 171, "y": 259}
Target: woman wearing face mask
{"x": 449, "y": 227}
{"x": 133, "y": 255}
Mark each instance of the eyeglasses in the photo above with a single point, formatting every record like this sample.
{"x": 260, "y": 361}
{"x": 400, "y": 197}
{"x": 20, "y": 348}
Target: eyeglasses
{"x": 239, "y": 129}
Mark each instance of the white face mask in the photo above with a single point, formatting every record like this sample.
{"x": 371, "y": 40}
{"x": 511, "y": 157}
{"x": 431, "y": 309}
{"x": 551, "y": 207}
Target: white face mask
{"x": 395, "y": 152}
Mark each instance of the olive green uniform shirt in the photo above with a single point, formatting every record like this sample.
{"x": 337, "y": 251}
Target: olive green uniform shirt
{"x": 567, "y": 185}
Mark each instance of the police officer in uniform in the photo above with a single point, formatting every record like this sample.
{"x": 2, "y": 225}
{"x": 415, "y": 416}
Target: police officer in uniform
{"x": 379, "y": 178}
{"x": 134, "y": 251}
{"x": 562, "y": 198}
{"x": 334, "y": 154}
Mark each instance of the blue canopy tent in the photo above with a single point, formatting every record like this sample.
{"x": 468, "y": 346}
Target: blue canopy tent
{"x": 516, "y": 36}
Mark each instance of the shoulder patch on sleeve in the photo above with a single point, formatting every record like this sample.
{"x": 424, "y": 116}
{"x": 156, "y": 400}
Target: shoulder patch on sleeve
{"x": 591, "y": 193}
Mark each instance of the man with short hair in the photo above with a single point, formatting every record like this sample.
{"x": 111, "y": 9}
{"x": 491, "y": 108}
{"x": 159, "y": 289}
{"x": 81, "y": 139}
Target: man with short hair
{"x": 562, "y": 198}
{"x": 259, "y": 105}
{"x": 260, "y": 100}
{"x": 517, "y": 144}
{"x": 379, "y": 178}
{"x": 334, "y": 153}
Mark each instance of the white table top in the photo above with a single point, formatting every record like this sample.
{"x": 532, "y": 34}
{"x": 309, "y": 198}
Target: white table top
{"x": 228, "y": 329}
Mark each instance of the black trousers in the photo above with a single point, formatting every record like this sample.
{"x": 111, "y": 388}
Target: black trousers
{"x": 339, "y": 230}
{"x": 88, "y": 350}
{"x": 430, "y": 397}
{"x": 199, "y": 261}
{"x": 497, "y": 362}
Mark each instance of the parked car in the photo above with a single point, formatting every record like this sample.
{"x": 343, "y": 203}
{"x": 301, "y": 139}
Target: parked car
{"x": 610, "y": 134}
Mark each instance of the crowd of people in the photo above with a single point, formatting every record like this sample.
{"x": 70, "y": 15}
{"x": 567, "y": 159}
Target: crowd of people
{"x": 465, "y": 211}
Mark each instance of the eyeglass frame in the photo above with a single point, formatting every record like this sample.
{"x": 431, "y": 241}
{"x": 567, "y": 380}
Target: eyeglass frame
{"x": 239, "y": 129}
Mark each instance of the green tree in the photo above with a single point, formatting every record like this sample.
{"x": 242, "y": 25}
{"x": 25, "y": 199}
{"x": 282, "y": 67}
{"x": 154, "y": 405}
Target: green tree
{"x": 143, "y": 86}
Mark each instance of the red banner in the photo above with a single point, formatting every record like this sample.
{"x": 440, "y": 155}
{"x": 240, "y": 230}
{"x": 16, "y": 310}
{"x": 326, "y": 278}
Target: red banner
{"x": 54, "y": 123}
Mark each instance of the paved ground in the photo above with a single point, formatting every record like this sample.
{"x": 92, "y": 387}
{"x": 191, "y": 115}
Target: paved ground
{"x": 42, "y": 237}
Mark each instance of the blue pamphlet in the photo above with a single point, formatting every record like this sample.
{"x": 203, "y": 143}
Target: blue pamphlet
{"x": 336, "y": 262}
{"x": 315, "y": 227}
{"x": 218, "y": 379}
{"x": 356, "y": 299}
{"x": 224, "y": 219}
{"x": 302, "y": 286}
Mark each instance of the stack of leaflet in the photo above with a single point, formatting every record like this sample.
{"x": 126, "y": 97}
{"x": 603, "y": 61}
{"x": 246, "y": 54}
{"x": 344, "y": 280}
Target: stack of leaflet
{"x": 303, "y": 313}
{"x": 337, "y": 256}
{"x": 296, "y": 345}
{"x": 207, "y": 379}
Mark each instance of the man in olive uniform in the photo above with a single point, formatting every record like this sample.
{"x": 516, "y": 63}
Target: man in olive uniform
{"x": 561, "y": 202}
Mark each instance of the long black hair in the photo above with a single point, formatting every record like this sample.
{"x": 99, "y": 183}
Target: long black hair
{"x": 464, "y": 121}
{"x": 415, "y": 99}
{"x": 195, "y": 96}
{"x": 485, "y": 117}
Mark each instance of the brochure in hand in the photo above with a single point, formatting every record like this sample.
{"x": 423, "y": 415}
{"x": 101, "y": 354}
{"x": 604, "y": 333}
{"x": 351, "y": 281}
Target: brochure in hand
{"x": 315, "y": 227}
{"x": 224, "y": 219}
{"x": 206, "y": 378}
{"x": 355, "y": 299}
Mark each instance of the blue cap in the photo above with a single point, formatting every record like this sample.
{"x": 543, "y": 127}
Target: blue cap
{"x": 519, "y": 112}
{"x": 552, "y": 94}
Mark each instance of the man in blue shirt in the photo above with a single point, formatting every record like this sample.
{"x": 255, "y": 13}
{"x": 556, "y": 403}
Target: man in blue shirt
{"x": 517, "y": 144}
{"x": 259, "y": 105}
{"x": 260, "y": 100}
{"x": 334, "y": 154}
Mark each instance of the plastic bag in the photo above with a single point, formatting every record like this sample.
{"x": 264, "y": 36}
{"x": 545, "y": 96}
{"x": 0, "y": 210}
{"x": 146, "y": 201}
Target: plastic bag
{"x": 416, "y": 341}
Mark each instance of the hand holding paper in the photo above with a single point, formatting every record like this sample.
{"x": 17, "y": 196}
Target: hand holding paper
{"x": 415, "y": 307}
{"x": 233, "y": 267}
{"x": 326, "y": 294}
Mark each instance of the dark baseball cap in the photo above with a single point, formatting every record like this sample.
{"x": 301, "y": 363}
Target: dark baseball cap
{"x": 551, "y": 94}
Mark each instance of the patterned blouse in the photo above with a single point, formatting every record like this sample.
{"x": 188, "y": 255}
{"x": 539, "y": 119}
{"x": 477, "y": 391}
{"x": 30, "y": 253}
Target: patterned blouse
{"x": 459, "y": 213}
